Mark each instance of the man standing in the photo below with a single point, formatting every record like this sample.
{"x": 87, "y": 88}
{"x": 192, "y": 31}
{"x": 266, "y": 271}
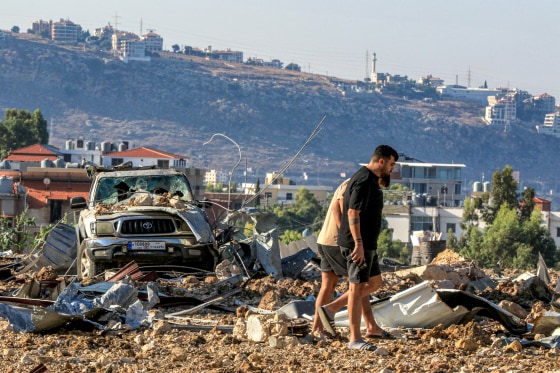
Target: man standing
{"x": 359, "y": 228}
{"x": 333, "y": 265}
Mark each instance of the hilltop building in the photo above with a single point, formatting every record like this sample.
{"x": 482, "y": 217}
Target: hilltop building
{"x": 501, "y": 110}
{"x": 153, "y": 42}
{"x": 129, "y": 47}
{"x": 431, "y": 81}
{"x": 551, "y": 125}
{"x": 376, "y": 77}
{"x": 41, "y": 27}
{"x": 477, "y": 95}
{"x": 66, "y": 31}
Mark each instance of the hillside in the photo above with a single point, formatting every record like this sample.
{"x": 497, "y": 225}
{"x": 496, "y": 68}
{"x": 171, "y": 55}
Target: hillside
{"x": 176, "y": 104}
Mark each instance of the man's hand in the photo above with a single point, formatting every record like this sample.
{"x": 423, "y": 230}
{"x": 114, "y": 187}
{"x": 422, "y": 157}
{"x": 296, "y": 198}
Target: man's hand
{"x": 357, "y": 255}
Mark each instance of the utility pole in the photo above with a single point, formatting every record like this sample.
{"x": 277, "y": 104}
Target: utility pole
{"x": 116, "y": 21}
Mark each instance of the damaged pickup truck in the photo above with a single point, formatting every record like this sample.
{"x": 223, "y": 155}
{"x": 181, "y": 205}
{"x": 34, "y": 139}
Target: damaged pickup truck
{"x": 146, "y": 215}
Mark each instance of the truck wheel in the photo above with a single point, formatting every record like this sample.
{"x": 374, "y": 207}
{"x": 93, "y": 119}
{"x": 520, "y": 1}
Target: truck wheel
{"x": 86, "y": 267}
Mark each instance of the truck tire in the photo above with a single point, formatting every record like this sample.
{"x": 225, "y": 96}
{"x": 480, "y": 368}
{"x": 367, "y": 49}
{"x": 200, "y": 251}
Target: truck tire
{"x": 86, "y": 267}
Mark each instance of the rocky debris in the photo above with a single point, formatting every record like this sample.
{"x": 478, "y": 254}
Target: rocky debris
{"x": 239, "y": 340}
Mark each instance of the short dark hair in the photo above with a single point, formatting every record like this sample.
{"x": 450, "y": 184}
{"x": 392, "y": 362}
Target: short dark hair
{"x": 385, "y": 152}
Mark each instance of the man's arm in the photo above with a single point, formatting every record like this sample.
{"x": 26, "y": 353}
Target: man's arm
{"x": 354, "y": 222}
{"x": 337, "y": 211}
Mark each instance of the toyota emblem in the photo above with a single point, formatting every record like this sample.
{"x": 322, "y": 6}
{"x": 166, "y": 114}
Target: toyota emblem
{"x": 147, "y": 225}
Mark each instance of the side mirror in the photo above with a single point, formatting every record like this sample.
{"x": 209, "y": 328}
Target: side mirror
{"x": 78, "y": 202}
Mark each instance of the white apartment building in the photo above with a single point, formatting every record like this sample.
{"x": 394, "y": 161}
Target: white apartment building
{"x": 500, "y": 111}
{"x": 457, "y": 92}
{"x": 214, "y": 177}
{"x": 431, "y": 184}
{"x": 433, "y": 202}
{"x": 65, "y": 31}
{"x": 551, "y": 125}
{"x": 153, "y": 42}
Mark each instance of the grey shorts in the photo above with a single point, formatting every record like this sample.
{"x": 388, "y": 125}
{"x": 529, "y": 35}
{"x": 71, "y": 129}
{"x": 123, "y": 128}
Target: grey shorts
{"x": 371, "y": 268}
{"x": 332, "y": 260}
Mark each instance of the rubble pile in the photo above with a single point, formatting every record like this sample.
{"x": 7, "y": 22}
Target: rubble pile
{"x": 206, "y": 323}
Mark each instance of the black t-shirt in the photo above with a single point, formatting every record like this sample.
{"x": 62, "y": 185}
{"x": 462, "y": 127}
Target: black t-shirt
{"x": 362, "y": 193}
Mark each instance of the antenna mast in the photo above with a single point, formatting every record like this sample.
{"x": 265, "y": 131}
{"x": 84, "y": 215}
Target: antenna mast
{"x": 367, "y": 63}
{"x": 116, "y": 21}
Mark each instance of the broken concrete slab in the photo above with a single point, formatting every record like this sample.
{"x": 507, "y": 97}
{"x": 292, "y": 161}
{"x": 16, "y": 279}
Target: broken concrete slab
{"x": 261, "y": 327}
{"x": 461, "y": 274}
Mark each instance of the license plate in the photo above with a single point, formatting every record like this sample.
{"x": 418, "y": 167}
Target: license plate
{"x": 146, "y": 245}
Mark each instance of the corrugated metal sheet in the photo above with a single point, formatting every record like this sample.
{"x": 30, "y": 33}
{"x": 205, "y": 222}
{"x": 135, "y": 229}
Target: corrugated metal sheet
{"x": 59, "y": 250}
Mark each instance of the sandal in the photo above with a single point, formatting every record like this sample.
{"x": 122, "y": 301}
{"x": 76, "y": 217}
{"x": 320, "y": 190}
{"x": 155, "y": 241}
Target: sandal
{"x": 362, "y": 345}
{"x": 384, "y": 335}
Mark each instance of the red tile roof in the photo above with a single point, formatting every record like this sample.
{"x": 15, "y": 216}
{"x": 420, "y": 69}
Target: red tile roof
{"x": 38, "y": 194}
{"x": 144, "y": 152}
{"x": 33, "y": 153}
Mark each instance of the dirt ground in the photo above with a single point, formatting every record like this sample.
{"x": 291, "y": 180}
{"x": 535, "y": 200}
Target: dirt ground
{"x": 166, "y": 347}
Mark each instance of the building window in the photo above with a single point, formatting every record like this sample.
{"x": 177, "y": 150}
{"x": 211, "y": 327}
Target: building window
{"x": 163, "y": 163}
{"x": 267, "y": 195}
{"x": 450, "y": 227}
{"x": 289, "y": 196}
{"x": 116, "y": 161}
{"x": 421, "y": 223}
{"x": 457, "y": 188}
{"x": 557, "y": 231}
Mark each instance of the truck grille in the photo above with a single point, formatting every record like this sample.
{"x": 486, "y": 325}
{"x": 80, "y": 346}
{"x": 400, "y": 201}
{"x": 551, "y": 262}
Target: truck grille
{"x": 147, "y": 226}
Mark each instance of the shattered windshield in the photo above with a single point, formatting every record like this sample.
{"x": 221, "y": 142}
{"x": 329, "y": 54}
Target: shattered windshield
{"x": 110, "y": 190}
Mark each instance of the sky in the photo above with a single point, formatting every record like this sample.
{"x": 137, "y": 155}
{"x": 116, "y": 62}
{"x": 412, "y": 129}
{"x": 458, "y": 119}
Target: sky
{"x": 505, "y": 43}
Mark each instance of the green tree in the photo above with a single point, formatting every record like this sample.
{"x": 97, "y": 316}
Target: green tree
{"x": 395, "y": 192}
{"x": 527, "y": 204}
{"x": 293, "y": 66}
{"x": 299, "y": 215}
{"x": 15, "y": 29}
{"x": 510, "y": 241}
{"x": 452, "y": 242}
{"x": 389, "y": 248}
{"x": 470, "y": 213}
{"x": 175, "y": 48}
{"x": 106, "y": 45}
{"x": 22, "y": 128}
{"x": 290, "y": 235}
{"x": 504, "y": 191}
{"x": 14, "y": 234}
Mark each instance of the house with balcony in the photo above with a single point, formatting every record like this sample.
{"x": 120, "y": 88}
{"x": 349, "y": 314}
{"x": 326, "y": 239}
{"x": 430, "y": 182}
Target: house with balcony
{"x": 501, "y": 110}
{"x": 282, "y": 191}
{"x": 66, "y": 31}
{"x": 551, "y": 125}
{"x": 431, "y": 184}
{"x": 129, "y": 47}
{"x": 152, "y": 41}
{"x": 433, "y": 200}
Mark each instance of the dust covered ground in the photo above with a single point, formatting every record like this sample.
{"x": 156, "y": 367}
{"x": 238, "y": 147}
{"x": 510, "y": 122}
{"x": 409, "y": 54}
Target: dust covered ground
{"x": 478, "y": 346}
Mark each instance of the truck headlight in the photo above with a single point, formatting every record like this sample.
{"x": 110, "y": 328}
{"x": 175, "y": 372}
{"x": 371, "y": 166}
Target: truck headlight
{"x": 102, "y": 228}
